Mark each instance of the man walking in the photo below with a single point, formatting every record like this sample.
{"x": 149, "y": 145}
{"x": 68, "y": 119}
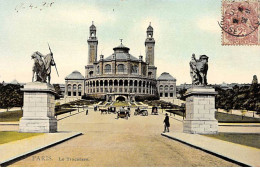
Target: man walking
{"x": 166, "y": 123}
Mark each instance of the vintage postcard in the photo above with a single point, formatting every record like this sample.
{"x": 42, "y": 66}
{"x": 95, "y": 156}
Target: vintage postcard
{"x": 129, "y": 83}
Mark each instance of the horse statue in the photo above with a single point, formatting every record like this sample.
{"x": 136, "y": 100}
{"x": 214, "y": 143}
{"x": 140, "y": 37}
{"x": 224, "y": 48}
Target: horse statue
{"x": 42, "y": 66}
{"x": 198, "y": 70}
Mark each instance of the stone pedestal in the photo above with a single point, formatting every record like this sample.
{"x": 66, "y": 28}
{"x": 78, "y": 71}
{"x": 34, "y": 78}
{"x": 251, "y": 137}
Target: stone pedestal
{"x": 200, "y": 111}
{"x": 38, "y": 108}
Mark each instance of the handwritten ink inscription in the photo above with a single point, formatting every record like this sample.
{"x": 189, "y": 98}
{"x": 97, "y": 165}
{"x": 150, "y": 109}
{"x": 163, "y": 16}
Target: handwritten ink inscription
{"x": 33, "y": 6}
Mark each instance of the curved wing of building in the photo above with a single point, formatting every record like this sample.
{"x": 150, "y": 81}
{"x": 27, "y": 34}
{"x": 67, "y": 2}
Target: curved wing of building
{"x": 119, "y": 75}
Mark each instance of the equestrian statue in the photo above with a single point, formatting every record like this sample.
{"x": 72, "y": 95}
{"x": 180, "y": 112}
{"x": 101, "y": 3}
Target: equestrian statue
{"x": 41, "y": 70}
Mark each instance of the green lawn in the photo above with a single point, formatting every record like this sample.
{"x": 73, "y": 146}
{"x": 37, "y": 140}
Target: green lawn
{"x": 248, "y": 139}
{"x": 6, "y": 137}
{"x": 11, "y": 116}
{"x": 231, "y": 118}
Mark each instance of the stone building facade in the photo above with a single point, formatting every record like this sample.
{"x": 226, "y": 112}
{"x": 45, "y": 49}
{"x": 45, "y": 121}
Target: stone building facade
{"x": 166, "y": 86}
{"x": 74, "y": 85}
{"x": 120, "y": 76}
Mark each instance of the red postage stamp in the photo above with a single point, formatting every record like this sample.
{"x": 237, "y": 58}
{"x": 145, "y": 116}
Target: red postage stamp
{"x": 240, "y": 22}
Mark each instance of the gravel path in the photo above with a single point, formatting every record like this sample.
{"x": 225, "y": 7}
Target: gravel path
{"x": 108, "y": 142}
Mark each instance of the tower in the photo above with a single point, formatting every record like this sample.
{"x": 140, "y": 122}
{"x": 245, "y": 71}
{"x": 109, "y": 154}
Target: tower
{"x": 92, "y": 45}
{"x": 149, "y": 46}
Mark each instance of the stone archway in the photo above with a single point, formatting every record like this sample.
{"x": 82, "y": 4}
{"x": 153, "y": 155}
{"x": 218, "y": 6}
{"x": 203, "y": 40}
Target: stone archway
{"x": 121, "y": 98}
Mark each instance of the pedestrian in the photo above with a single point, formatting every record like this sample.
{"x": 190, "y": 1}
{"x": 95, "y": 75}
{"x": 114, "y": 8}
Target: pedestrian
{"x": 87, "y": 112}
{"x": 166, "y": 123}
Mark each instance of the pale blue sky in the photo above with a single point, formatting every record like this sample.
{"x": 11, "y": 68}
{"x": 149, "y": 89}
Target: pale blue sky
{"x": 180, "y": 27}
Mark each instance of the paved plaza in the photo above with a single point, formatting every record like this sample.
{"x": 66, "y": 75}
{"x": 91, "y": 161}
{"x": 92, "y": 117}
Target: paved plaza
{"x": 107, "y": 141}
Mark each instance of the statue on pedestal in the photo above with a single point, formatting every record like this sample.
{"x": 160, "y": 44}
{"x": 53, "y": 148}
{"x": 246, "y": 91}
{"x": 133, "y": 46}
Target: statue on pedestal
{"x": 42, "y": 66}
{"x": 198, "y": 70}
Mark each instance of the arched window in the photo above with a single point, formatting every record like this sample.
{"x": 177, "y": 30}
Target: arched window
{"x": 74, "y": 90}
{"x": 171, "y": 88}
{"x": 121, "y": 83}
{"x": 131, "y": 83}
{"x": 110, "y": 83}
{"x": 150, "y": 75}
{"x": 69, "y": 87}
{"x": 79, "y": 90}
{"x": 105, "y": 83}
{"x": 166, "y": 88}
{"x": 161, "y": 88}
{"x": 126, "y": 83}
{"x": 121, "y": 68}
{"x": 69, "y": 90}
{"x": 91, "y": 74}
{"x": 74, "y": 87}
{"x": 115, "y": 83}
{"x": 134, "y": 69}
{"x": 135, "y": 83}
{"x": 107, "y": 68}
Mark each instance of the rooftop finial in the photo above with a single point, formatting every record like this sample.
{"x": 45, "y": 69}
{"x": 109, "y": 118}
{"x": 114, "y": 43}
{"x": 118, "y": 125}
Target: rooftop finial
{"x": 92, "y": 22}
{"x": 121, "y": 41}
{"x": 150, "y": 23}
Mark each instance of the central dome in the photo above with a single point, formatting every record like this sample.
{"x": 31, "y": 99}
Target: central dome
{"x": 121, "y": 52}
{"x": 121, "y": 49}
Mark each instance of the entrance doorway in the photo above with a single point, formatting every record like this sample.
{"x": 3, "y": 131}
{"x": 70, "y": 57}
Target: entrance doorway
{"x": 120, "y": 98}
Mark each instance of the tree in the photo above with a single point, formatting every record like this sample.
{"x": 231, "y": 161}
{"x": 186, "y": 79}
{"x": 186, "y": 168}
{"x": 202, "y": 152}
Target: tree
{"x": 10, "y": 96}
{"x": 239, "y": 98}
{"x": 182, "y": 92}
{"x": 57, "y": 90}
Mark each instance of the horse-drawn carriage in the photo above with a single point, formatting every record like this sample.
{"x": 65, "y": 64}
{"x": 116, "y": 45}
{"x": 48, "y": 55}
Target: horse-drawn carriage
{"x": 154, "y": 110}
{"x": 141, "y": 111}
{"x": 122, "y": 113}
{"x": 103, "y": 110}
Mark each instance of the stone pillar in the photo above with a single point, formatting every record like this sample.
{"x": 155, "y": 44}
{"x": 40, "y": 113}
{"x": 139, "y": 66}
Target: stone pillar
{"x": 128, "y": 82}
{"x": 123, "y": 86}
{"x": 113, "y": 86}
{"x": 142, "y": 88}
{"x": 38, "y": 109}
{"x": 200, "y": 111}
{"x": 101, "y": 67}
{"x": 103, "y": 87}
